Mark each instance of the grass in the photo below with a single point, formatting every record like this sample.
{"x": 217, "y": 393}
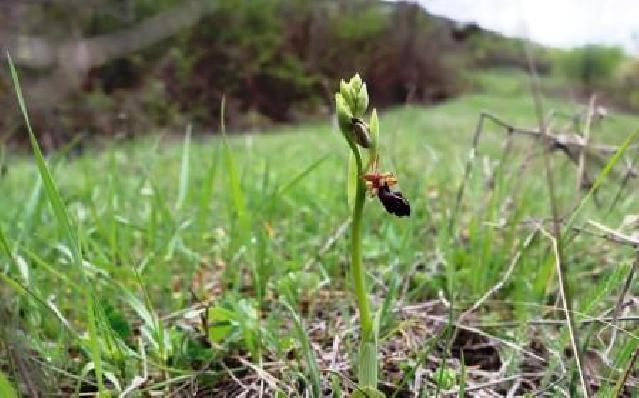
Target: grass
{"x": 220, "y": 265}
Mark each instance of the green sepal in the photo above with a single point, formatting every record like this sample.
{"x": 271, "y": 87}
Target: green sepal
{"x": 373, "y": 130}
{"x": 348, "y": 95}
{"x": 351, "y": 180}
{"x": 361, "y": 101}
{"x": 356, "y": 83}
{"x": 344, "y": 115}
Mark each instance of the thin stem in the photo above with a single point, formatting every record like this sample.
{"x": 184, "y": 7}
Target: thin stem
{"x": 357, "y": 268}
{"x": 367, "y": 362}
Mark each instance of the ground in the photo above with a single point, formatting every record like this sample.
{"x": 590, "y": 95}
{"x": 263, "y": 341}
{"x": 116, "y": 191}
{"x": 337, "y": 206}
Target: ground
{"x": 221, "y": 270}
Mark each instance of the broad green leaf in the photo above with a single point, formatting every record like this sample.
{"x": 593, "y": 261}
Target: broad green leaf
{"x": 117, "y": 321}
{"x": 221, "y": 322}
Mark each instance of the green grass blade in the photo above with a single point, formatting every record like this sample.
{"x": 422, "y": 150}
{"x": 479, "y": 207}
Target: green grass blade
{"x": 602, "y": 176}
{"x": 30, "y": 211}
{"x": 307, "y": 351}
{"x": 629, "y": 350}
{"x": 51, "y": 189}
{"x": 299, "y": 177}
{"x": 94, "y": 344}
{"x": 5, "y": 245}
{"x": 207, "y": 191}
{"x": 235, "y": 187}
{"x": 6, "y": 389}
{"x": 62, "y": 217}
{"x": 237, "y": 195}
{"x": 15, "y": 285}
{"x": 50, "y": 269}
{"x": 184, "y": 170}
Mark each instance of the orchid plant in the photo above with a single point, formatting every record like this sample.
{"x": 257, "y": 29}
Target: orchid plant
{"x": 351, "y": 102}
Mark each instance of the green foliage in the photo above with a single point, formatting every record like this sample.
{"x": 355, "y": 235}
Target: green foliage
{"x": 591, "y": 66}
{"x": 235, "y": 323}
{"x": 168, "y": 314}
{"x": 367, "y": 392}
{"x": 312, "y": 368}
{"x": 6, "y": 389}
{"x": 274, "y": 60}
{"x": 492, "y": 50}
{"x": 445, "y": 378}
{"x": 625, "y": 87}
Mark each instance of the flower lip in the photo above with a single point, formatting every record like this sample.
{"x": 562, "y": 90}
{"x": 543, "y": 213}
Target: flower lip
{"x": 394, "y": 201}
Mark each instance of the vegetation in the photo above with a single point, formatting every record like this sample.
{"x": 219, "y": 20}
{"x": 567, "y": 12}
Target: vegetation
{"x": 273, "y": 61}
{"x": 220, "y": 265}
{"x": 139, "y": 65}
{"x": 591, "y": 66}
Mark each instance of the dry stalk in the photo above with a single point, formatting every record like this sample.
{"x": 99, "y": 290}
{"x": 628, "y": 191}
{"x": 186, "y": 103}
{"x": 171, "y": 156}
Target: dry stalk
{"x": 556, "y": 238}
{"x": 574, "y": 342}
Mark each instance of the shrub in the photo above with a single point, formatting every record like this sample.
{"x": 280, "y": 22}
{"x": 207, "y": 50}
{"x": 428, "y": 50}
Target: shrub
{"x": 591, "y": 66}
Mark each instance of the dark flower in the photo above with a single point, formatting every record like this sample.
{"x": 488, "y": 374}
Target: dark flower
{"x": 394, "y": 202}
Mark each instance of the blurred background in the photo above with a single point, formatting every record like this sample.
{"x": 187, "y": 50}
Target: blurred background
{"x": 103, "y": 68}
{"x": 186, "y": 252}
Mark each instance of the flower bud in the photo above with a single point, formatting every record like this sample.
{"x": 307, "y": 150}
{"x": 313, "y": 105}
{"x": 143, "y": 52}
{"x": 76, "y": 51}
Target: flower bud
{"x": 373, "y": 129}
{"x": 361, "y": 133}
{"x": 360, "y": 101}
{"x": 344, "y": 115}
{"x": 346, "y": 91}
{"x": 356, "y": 83}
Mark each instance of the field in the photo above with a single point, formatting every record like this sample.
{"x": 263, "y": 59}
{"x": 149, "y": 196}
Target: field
{"x": 219, "y": 267}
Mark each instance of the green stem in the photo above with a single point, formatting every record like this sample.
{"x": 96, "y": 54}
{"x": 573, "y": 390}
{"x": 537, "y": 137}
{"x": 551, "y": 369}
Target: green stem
{"x": 368, "y": 343}
{"x": 357, "y": 268}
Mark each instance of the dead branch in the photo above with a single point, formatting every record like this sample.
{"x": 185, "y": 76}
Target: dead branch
{"x": 576, "y": 148}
